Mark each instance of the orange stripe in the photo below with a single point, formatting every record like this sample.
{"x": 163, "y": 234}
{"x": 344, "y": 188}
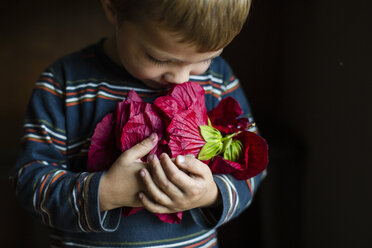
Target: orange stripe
{"x": 230, "y": 90}
{"x": 58, "y": 141}
{"x": 42, "y": 185}
{"x": 234, "y": 197}
{"x": 208, "y": 83}
{"x": 213, "y": 94}
{"x": 95, "y": 90}
{"x": 50, "y": 81}
{"x": 201, "y": 242}
{"x": 40, "y": 141}
{"x": 44, "y": 132}
{"x": 249, "y": 186}
{"x": 61, "y": 174}
{"x": 49, "y": 90}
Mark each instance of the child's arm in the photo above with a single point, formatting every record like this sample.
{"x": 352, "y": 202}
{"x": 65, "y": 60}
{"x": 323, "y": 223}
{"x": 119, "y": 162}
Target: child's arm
{"x": 49, "y": 177}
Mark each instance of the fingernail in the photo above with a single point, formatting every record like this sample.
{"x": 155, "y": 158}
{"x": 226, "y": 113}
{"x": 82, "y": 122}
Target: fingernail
{"x": 153, "y": 136}
{"x": 180, "y": 159}
{"x": 150, "y": 157}
{"x": 140, "y": 195}
{"x": 142, "y": 173}
{"x": 163, "y": 155}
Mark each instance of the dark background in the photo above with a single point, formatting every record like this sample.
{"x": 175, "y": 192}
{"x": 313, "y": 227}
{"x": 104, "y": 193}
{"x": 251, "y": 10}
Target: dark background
{"x": 306, "y": 68}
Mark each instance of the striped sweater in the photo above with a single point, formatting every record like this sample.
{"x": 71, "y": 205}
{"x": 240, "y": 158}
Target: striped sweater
{"x": 50, "y": 177}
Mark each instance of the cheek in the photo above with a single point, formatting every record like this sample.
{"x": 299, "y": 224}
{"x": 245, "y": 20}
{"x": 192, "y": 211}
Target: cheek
{"x": 199, "y": 69}
{"x": 146, "y": 72}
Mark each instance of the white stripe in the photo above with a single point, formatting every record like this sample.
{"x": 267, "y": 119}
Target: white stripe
{"x": 214, "y": 240}
{"x": 44, "y": 138}
{"x": 231, "y": 84}
{"x": 214, "y": 90}
{"x": 47, "y": 74}
{"x": 235, "y": 207}
{"x": 206, "y": 77}
{"x": 83, "y": 200}
{"x": 30, "y": 135}
{"x": 49, "y": 86}
{"x": 95, "y": 85}
{"x": 46, "y": 129}
{"x": 92, "y": 96}
{"x": 156, "y": 246}
{"x": 252, "y": 129}
{"x": 78, "y": 143}
{"x": 77, "y": 210}
{"x": 56, "y": 173}
{"x": 230, "y": 194}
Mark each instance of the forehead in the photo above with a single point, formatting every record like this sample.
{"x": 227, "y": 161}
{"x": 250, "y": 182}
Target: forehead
{"x": 160, "y": 42}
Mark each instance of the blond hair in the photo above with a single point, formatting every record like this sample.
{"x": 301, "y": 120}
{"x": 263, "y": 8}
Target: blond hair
{"x": 208, "y": 24}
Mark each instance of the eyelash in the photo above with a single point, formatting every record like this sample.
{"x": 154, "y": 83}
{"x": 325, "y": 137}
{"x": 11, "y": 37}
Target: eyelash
{"x": 155, "y": 61}
{"x": 162, "y": 63}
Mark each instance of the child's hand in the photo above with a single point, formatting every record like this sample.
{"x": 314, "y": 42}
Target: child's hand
{"x": 120, "y": 185}
{"x": 173, "y": 188}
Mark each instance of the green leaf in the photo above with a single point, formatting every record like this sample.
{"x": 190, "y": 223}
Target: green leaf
{"x": 210, "y": 133}
{"x": 233, "y": 150}
{"x": 210, "y": 149}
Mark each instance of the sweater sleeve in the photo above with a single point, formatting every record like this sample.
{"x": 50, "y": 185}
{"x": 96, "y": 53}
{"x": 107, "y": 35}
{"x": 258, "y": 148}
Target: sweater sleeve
{"x": 236, "y": 195}
{"x": 43, "y": 180}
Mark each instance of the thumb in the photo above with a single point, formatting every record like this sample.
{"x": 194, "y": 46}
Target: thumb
{"x": 192, "y": 165}
{"x": 143, "y": 148}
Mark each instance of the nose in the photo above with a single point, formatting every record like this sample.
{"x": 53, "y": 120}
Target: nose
{"x": 178, "y": 76}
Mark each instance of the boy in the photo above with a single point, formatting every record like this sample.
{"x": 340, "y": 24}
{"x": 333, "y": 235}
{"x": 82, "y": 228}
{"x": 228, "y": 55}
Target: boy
{"x": 155, "y": 44}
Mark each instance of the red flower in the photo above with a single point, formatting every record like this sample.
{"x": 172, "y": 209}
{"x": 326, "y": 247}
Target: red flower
{"x": 180, "y": 119}
{"x": 231, "y": 149}
{"x": 132, "y": 121}
{"x": 254, "y": 156}
{"x": 184, "y": 111}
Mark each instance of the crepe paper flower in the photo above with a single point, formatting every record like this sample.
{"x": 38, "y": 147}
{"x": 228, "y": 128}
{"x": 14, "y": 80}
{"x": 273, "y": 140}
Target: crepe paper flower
{"x": 182, "y": 97}
{"x": 132, "y": 121}
{"x": 184, "y": 111}
{"x": 243, "y": 154}
{"x": 222, "y": 142}
{"x": 253, "y": 160}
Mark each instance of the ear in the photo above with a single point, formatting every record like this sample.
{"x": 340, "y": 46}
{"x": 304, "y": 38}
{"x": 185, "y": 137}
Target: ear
{"x": 109, "y": 11}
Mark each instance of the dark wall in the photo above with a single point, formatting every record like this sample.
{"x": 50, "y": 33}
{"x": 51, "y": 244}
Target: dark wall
{"x": 306, "y": 69}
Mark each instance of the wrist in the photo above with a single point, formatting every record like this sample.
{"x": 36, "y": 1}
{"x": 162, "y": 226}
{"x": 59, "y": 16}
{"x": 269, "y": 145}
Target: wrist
{"x": 104, "y": 194}
{"x": 215, "y": 199}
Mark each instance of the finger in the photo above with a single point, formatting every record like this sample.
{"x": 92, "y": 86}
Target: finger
{"x": 192, "y": 165}
{"x": 153, "y": 190}
{"x": 178, "y": 177}
{"x": 161, "y": 180}
{"x": 151, "y": 205}
{"x": 142, "y": 148}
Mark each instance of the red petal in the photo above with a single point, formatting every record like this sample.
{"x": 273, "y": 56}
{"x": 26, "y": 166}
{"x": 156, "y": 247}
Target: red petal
{"x": 140, "y": 127}
{"x": 184, "y": 134}
{"x": 171, "y": 218}
{"x": 182, "y": 97}
{"x": 253, "y": 161}
{"x": 102, "y": 152}
{"x": 190, "y": 95}
{"x": 219, "y": 116}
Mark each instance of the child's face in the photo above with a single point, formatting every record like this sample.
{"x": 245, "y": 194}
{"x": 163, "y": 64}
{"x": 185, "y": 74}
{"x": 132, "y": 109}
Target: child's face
{"x": 155, "y": 57}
